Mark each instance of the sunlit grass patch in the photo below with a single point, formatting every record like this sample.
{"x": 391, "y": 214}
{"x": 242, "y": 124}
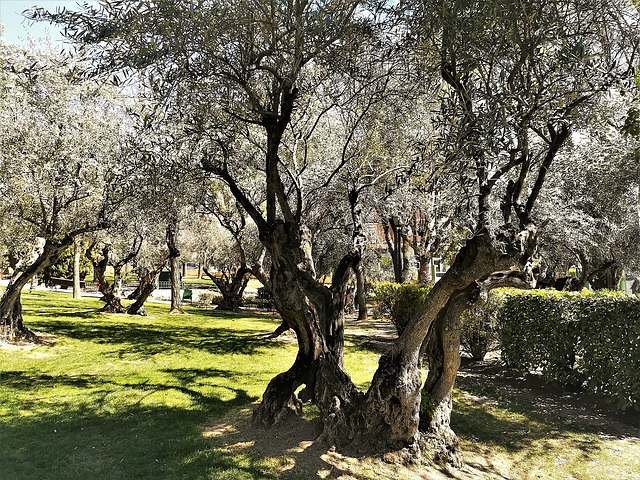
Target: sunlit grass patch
{"x": 125, "y": 397}
{"x": 169, "y": 397}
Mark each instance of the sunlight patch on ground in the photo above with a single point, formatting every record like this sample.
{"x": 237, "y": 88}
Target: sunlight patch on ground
{"x": 301, "y": 447}
{"x": 240, "y": 446}
{"x": 219, "y": 431}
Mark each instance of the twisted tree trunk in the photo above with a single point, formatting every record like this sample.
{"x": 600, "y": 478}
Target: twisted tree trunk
{"x": 12, "y": 327}
{"x": 389, "y": 416}
{"x": 174, "y": 268}
{"x": 231, "y": 287}
{"x": 147, "y": 285}
{"x": 109, "y": 291}
{"x": 442, "y": 352}
{"x": 316, "y": 314}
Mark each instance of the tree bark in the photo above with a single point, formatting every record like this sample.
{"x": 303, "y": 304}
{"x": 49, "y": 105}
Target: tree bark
{"x": 12, "y": 327}
{"x": 147, "y": 285}
{"x": 442, "y": 352}
{"x": 174, "y": 269}
{"x": 423, "y": 269}
{"x": 279, "y": 399}
{"x": 109, "y": 291}
{"x": 76, "y": 267}
{"x": 231, "y": 287}
{"x": 176, "y": 298}
{"x": 316, "y": 314}
{"x": 389, "y": 415}
{"x": 361, "y": 293}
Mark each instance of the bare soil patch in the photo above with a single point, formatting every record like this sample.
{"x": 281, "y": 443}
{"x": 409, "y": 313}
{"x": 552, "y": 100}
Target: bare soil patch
{"x": 573, "y": 407}
{"x": 295, "y": 446}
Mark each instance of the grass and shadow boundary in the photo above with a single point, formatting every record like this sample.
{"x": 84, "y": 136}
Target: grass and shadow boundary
{"x": 170, "y": 397}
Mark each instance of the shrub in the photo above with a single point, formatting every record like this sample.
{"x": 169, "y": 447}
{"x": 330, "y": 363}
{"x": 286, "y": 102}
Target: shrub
{"x": 63, "y": 267}
{"x": 478, "y": 332}
{"x": 589, "y": 340}
{"x": 264, "y": 298}
{"x": 400, "y": 301}
{"x": 205, "y": 298}
{"x": 610, "y": 346}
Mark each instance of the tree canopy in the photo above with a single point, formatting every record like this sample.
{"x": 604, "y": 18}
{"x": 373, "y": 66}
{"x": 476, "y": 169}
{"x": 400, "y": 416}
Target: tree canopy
{"x": 311, "y": 110}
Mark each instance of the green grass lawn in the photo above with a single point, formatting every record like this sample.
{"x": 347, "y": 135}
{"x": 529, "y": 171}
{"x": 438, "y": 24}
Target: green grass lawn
{"x": 119, "y": 397}
{"x": 127, "y": 397}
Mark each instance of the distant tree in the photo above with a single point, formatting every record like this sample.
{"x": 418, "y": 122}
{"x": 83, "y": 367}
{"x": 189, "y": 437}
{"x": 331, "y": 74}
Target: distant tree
{"x": 232, "y": 256}
{"x": 63, "y": 268}
{"x": 116, "y": 249}
{"x": 589, "y": 210}
{"x": 149, "y": 262}
{"x": 59, "y": 173}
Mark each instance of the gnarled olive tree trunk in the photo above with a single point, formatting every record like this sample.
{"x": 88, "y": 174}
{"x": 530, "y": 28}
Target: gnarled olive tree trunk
{"x": 442, "y": 353}
{"x": 148, "y": 283}
{"x": 388, "y": 417}
{"x": 12, "y": 325}
{"x": 231, "y": 286}
{"x": 316, "y": 314}
{"x": 109, "y": 291}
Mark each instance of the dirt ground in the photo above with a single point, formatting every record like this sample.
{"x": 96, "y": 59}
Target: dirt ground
{"x": 297, "y": 452}
{"x": 295, "y": 447}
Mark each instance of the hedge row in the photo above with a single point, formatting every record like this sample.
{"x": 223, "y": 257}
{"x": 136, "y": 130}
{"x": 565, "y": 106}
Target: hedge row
{"x": 399, "y": 301}
{"x": 585, "y": 340}
{"x": 589, "y": 340}
{"x": 402, "y": 301}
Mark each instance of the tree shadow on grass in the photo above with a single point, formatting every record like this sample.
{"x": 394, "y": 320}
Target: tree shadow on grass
{"x": 96, "y": 429}
{"x": 531, "y": 396}
{"x": 493, "y": 409}
{"x": 187, "y": 381}
{"x": 373, "y": 335}
{"x": 510, "y": 429}
{"x": 143, "y": 339}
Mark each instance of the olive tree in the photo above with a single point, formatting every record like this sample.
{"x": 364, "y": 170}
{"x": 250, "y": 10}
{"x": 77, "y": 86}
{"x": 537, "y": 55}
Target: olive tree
{"x": 589, "y": 211}
{"x": 516, "y": 79}
{"x": 59, "y": 164}
{"x": 512, "y": 77}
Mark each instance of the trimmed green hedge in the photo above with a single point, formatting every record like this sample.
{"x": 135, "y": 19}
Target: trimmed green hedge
{"x": 589, "y": 340}
{"x": 400, "y": 301}
{"x": 478, "y": 330}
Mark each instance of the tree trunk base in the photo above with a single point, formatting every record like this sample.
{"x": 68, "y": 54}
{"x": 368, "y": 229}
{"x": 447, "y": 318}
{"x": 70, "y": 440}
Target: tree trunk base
{"x": 12, "y": 335}
{"x": 228, "y": 308}
{"x": 429, "y": 449}
{"x": 279, "y": 401}
{"x": 12, "y": 327}
{"x": 142, "y": 312}
{"x": 442, "y": 448}
{"x": 272, "y": 413}
{"x": 113, "y": 308}
{"x": 177, "y": 311}
{"x": 438, "y": 437}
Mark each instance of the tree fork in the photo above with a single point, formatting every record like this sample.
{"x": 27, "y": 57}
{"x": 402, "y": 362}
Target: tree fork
{"x": 442, "y": 349}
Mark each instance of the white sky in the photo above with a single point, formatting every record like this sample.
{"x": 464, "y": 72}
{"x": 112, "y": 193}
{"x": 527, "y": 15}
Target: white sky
{"x": 17, "y": 28}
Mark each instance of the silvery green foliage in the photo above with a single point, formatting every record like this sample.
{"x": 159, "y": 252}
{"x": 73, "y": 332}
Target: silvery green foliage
{"x": 589, "y": 209}
{"x": 59, "y": 148}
